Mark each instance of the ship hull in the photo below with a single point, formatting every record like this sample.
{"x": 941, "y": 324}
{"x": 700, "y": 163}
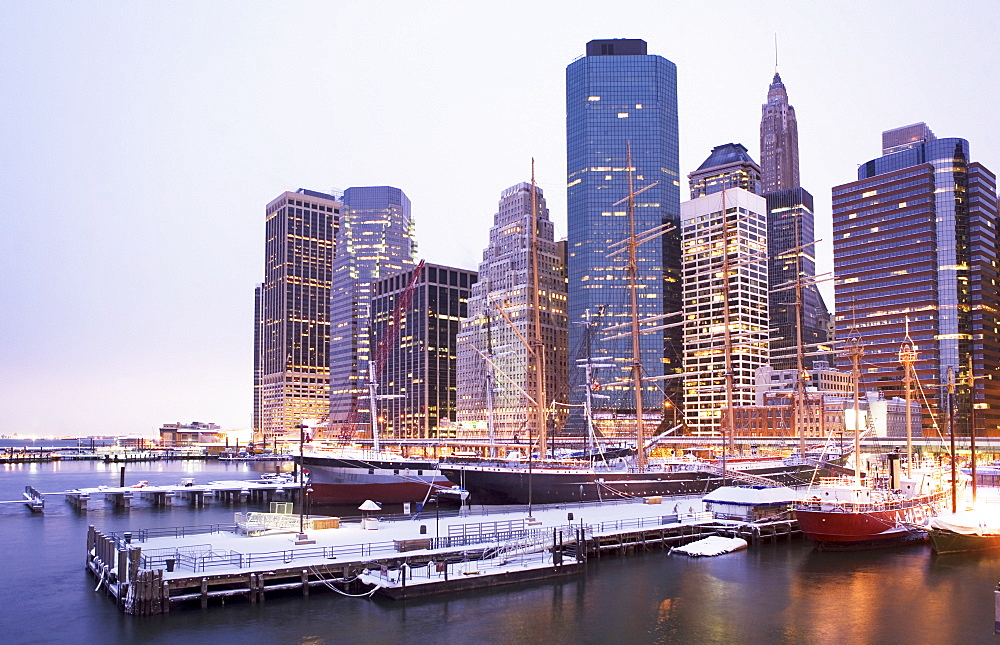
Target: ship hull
{"x": 947, "y": 542}
{"x": 518, "y": 485}
{"x": 841, "y": 528}
{"x": 337, "y": 480}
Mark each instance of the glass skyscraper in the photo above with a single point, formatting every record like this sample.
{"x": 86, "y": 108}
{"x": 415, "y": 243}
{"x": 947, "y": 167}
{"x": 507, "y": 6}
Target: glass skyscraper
{"x": 375, "y": 241}
{"x": 915, "y": 248}
{"x": 618, "y": 95}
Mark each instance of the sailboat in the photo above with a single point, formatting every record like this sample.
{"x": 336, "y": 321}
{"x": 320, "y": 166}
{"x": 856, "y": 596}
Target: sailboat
{"x": 869, "y": 512}
{"x": 612, "y": 475}
{"x": 972, "y": 530}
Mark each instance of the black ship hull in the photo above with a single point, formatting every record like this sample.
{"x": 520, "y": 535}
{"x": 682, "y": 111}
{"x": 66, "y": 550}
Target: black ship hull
{"x": 514, "y": 485}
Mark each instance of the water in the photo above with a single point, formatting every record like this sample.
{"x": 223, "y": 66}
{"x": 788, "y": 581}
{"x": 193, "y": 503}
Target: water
{"x": 782, "y": 593}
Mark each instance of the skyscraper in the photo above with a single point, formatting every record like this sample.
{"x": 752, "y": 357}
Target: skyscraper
{"x": 619, "y": 96}
{"x": 506, "y": 281}
{"x": 790, "y": 237}
{"x": 779, "y": 140}
{"x": 419, "y": 373}
{"x": 725, "y": 286}
{"x": 375, "y": 241}
{"x": 292, "y": 330}
{"x": 915, "y": 248}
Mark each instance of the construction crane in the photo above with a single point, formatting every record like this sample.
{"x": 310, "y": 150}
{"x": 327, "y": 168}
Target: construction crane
{"x": 382, "y": 352}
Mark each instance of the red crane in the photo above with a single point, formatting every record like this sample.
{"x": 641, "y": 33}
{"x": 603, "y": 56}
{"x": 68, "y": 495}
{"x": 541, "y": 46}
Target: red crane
{"x": 385, "y": 346}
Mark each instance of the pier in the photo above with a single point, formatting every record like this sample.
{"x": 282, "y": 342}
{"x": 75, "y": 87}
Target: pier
{"x": 230, "y": 492}
{"x": 150, "y": 571}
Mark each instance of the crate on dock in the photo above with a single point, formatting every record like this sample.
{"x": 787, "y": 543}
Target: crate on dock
{"x": 655, "y": 499}
{"x": 324, "y": 522}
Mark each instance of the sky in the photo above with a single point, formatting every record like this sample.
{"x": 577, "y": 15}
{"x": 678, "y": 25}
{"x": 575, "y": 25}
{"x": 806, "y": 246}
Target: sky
{"x": 141, "y": 141}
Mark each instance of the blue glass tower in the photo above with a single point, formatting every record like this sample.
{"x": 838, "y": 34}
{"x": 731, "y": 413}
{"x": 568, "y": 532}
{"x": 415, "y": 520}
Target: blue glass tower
{"x": 915, "y": 252}
{"x": 618, "y": 95}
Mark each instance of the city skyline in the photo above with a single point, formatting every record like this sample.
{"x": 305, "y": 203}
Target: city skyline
{"x": 165, "y": 132}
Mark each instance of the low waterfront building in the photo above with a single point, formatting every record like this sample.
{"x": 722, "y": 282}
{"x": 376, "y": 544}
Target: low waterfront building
{"x": 188, "y": 434}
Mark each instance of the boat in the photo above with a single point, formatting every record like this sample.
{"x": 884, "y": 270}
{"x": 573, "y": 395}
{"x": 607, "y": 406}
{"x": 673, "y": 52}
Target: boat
{"x": 972, "y": 530}
{"x": 965, "y": 532}
{"x": 344, "y": 475}
{"x": 860, "y": 513}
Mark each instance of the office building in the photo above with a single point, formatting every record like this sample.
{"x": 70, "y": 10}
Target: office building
{"x": 724, "y": 232}
{"x": 419, "y": 376}
{"x": 617, "y": 96}
{"x": 492, "y": 359}
{"x": 375, "y": 241}
{"x": 915, "y": 252}
{"x": 292, "y": 308}
{"x": 790, "y": 238}
{"x": 779, "y": 140}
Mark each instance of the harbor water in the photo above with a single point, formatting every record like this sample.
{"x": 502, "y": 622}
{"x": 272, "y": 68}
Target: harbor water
{"x": 775, "y": 593}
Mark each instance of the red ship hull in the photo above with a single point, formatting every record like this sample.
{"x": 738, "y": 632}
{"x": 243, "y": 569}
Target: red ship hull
{"x": 846, "y": 527}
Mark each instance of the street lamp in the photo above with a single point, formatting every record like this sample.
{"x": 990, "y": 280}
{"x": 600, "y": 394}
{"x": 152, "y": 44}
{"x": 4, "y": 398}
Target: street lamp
{"x": 303, "y": 487}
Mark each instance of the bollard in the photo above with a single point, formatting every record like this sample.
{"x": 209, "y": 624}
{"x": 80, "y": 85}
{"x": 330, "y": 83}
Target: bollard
{"x": 128, "y": 537}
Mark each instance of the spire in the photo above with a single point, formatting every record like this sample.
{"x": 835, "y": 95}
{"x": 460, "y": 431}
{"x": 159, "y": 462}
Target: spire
{"x": 776, "y": 57}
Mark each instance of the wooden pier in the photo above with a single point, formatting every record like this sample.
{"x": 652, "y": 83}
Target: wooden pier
{"x": 197, "y": 496}
{"x": 151, "y": 571}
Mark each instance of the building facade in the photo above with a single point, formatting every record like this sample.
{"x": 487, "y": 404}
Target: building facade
{"x": 419, "y": 375}
{"x": 619, "y": 97}
{"x": 292, "y": 308}
{"x": 723, "y": 233}
{"x": 495, "y": 374}
{"x": 790, "y": 232}
{"x": 729, "y": 166}
{"x": 915, "y": 252}
{"x": 375, "y": 240}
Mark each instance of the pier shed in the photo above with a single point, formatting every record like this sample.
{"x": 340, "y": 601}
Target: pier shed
{"x": 749, "y": 504}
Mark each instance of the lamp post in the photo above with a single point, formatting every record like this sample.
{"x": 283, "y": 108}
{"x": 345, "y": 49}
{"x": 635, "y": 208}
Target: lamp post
{"x": 303, "y": 488}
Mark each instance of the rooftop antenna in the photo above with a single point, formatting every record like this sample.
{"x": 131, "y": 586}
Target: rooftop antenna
{"x": 775, "y": 52}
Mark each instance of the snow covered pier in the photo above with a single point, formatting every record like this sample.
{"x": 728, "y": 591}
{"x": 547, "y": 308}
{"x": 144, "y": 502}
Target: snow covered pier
{"x": 260, "y": 492}
{"x": 150, "y": 571}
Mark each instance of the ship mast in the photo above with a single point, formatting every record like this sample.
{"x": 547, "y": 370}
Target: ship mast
{"x": 537, "y": 342}
{"x": 640, "y": 431}
{"x": 728, "y": 439}
{"x": 800, "y": 373}
{"x": 856, "y": 351}
{"x": 908, "y": 356}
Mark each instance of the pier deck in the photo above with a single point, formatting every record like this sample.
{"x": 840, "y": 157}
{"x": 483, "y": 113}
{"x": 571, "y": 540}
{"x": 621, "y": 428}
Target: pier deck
{"x": 148, "y": 571}
{"x": 230, "y": 491}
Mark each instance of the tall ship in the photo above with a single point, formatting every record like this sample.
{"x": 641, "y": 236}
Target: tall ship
{"x": 865, "y": 512}
{"x": 627, "y": 472}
